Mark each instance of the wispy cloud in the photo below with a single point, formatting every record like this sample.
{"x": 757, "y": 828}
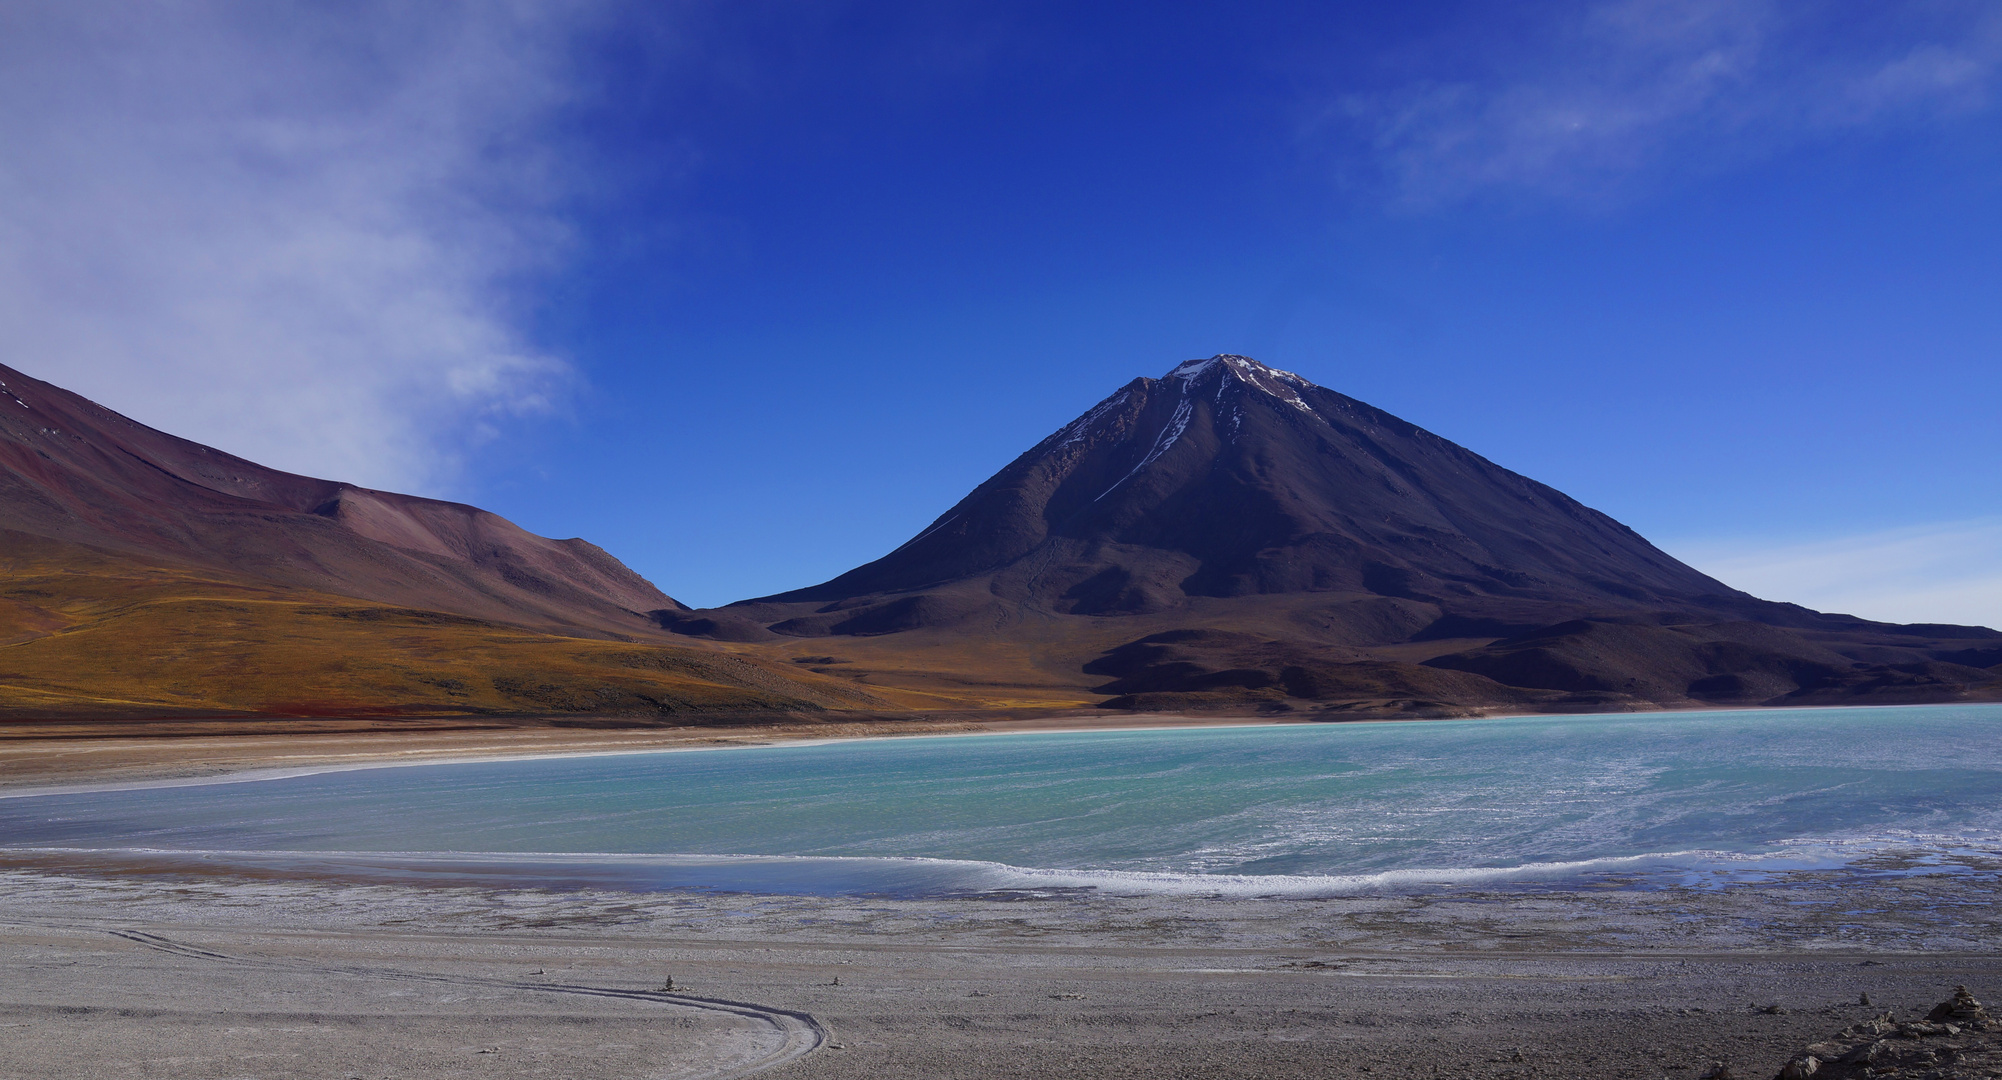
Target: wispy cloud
{"x": 1609, "y": 94}
{"x": 297, "y": 231}
{"x": 1948, "y": 572}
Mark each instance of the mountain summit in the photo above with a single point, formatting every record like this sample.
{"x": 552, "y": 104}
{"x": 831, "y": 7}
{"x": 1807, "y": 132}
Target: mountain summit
{"x": 1226, "y": 477}
{"x": 1232, "y": 535}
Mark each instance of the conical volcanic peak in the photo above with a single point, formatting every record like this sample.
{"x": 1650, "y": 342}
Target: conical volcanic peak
{"x": 1232, "y": 536}
{"x": 1226, "y": 477}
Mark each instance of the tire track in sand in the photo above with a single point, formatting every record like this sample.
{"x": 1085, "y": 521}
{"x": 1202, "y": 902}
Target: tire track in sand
{"x": 799, "y": 1032}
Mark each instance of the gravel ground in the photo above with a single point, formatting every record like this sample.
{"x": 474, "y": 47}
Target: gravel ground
{"x": 220, "y": 977}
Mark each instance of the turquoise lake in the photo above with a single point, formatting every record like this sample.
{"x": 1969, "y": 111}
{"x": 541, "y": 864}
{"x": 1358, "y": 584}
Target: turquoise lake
{"x": 1296, "y": 810}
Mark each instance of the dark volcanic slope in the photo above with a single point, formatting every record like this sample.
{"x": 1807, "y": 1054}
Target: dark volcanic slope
{"x": 74, "y": 471}
{"x": 1229, "y": 478}
{"x": 1235, "y": 534}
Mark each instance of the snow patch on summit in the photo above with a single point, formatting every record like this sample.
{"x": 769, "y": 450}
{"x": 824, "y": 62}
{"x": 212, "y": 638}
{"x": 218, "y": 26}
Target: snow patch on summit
{"x": 1283, "y": 385}
{"x": 1229, "y": 369}
{"x": 1244, "y": 367}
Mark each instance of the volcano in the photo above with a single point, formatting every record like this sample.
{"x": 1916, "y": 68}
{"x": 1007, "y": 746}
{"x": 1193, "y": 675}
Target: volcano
{"x": 1230, "y": 478}
{"x": 1282, "y": 542}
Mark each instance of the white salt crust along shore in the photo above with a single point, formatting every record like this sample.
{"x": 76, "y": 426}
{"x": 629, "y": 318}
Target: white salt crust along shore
{"x": 205, "y": 976}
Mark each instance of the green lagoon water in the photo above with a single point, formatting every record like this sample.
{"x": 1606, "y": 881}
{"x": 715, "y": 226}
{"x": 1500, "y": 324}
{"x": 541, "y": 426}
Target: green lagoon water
{"x": 1270, "y": 810}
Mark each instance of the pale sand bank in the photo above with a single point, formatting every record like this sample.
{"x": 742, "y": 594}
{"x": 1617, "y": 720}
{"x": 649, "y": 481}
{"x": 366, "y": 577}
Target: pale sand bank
{"x": 310, "y": 979}
{"x": 47, "y": 764}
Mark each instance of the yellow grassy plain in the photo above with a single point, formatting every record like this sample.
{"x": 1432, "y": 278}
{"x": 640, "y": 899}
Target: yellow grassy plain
{"x": 86, "y": 632}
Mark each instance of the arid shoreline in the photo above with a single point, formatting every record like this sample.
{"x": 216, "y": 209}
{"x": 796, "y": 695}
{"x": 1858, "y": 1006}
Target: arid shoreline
{"x": 175, "y": 976}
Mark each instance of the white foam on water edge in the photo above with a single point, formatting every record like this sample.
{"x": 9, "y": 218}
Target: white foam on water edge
{"x": 916, "y": 876}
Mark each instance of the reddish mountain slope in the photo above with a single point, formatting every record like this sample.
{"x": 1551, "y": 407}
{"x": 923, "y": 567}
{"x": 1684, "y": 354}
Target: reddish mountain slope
{"x": 74, "y": 471}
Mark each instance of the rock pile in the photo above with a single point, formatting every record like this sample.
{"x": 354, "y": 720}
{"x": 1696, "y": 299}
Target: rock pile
{"x": 1956, "y": 1041}
{"x": 1960, "y": 1009}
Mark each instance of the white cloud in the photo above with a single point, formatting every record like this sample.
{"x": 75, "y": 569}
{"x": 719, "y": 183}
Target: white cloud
{"x": 298, "y": 232}
{"x": 1946, "y": 572}
{"x": 1622, "y": 89}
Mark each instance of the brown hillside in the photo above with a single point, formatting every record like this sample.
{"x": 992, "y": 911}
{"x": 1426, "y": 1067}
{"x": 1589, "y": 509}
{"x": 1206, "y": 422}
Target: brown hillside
{"x": 86, "y": 633}
{"x": 73, "y": 470}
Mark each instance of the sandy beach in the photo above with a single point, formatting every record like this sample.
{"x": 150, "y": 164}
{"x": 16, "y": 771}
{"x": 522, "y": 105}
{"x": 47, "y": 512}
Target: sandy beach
{"x": 183, "y": 976}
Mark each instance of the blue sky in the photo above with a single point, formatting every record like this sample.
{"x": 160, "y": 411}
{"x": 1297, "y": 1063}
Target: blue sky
{"x": 748, "y": 293}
